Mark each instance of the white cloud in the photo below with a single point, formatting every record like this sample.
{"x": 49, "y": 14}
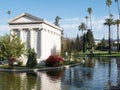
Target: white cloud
{"x": 70, "y": 26}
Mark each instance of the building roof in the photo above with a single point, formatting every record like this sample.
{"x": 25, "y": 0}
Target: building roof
{"x": 26, "y": 18}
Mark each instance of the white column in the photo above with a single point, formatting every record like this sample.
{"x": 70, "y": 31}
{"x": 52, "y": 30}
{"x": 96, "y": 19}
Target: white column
{"x": 31, "y": 37}
{"x": 21, "y": 34}
{"x": 11, "y": 31}
{"x": 38, "y": 44}
{"x": 42, "y": 41}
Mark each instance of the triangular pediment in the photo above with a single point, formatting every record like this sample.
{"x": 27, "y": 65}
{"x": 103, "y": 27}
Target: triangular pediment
{"x": 25, "y": 18}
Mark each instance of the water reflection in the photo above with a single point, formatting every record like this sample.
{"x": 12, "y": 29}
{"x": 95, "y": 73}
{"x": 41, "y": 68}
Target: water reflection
{"x": 99, "y": 73}
{"x": 118, "y": 73}
{"x": 18, "y": 81}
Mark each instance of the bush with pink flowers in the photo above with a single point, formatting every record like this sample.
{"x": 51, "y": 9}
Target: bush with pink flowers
{"x": 54, "y": 61}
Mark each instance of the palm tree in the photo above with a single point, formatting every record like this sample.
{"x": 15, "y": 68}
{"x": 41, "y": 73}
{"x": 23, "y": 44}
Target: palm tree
{"x": 82, "y": 27}
{"x": 117, "y": 1}
{"x": 117, "y": 22}
{"x": 86, "y": 17}
{"x": 109, "y": 22}
{"x": 9, "y": 12}
{"x": 108, "y": 3}
{"x": 57, "y": 20}
{"x": 89, "y": 10}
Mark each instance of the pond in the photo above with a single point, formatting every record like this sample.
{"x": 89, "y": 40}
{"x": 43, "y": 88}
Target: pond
{"x": 95, "y": 74}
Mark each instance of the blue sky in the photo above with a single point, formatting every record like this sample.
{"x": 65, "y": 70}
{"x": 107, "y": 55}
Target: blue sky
{"x": 72, "y": 13}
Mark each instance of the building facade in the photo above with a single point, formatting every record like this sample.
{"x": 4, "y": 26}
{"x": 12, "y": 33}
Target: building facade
{"x": 37, "y": 33}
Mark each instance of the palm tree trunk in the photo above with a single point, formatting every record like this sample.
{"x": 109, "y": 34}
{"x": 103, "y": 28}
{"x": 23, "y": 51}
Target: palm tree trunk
{"x": 118, "y": 37}
{"x": 86, "y": 24}
{"x": 90, "y": 22}
{"x": 109, "y": 11}
{"x": 118, "y": 8}
{"x": 109, "y": 36}
{"x": 118, "y": 27}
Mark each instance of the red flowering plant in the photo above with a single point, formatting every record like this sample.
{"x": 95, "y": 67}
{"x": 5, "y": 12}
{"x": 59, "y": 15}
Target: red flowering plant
{"x": 54, "y": 61}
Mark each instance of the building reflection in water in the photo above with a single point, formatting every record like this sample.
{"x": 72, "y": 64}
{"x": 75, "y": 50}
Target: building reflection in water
{"x": 51, "y": 80}
{"x": 94, "y": 74}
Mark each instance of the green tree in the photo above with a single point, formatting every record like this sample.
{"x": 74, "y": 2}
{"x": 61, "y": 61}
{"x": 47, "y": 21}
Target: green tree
{"x": 86, "y": 17}
{"x": 82, "y": 27}
{"x": 11, "y": 47}
{"x": 84, "y": 43}
{"x": 77, "y": 43}
{"x": 67, "y": 45}
{"x": 90, "y": 39}
{"x": 103, "y": 44}
{"x": 109, "y": 22}
{"x": 89, "y": 10}
{"x": 117, "y": 22}
{"x": 32, "y": 61}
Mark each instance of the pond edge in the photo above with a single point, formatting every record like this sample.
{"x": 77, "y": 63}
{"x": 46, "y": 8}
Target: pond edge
{"x": 39, "y": 69}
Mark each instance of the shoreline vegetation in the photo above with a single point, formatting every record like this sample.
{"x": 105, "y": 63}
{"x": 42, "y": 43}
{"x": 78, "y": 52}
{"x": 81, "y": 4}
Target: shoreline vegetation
{"x": 100, "y": 54}
{"x": 77, "y": 60}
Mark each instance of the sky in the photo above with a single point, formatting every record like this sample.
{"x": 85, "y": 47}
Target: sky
{"x": 72, "y": 13}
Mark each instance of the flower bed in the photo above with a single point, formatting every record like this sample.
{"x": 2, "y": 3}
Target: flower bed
{"x": 54, "y": 61}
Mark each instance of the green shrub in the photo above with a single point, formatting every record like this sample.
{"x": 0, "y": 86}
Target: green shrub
{"x": 54, "y": 61}
{"x": 20, "y": 63}
{"x": 31, "y": 62}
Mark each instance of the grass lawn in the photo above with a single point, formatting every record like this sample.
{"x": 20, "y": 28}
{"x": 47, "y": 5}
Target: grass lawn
{"x": 100, "y": 54}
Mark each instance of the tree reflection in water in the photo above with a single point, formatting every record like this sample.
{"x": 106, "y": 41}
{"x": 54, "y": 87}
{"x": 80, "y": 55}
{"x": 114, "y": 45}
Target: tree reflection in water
{"x": 95, "y": 74}
{"x": 81, "y": 75}
{"x": 55, "y": 74}
{"x": 18, "y": 81}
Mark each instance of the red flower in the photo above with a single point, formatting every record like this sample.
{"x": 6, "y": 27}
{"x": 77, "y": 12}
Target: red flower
{"x": 54, "y": 60}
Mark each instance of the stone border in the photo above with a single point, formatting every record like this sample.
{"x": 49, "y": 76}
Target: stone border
{"x": 39, "y": 69}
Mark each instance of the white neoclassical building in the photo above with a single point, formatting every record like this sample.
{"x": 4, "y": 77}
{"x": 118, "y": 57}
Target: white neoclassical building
{"x": 37, "y": 33}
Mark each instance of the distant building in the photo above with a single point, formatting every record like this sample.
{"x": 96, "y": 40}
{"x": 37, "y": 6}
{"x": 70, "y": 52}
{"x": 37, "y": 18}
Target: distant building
{"x": 37, "y": 33}
{"x": 97, "y": 41}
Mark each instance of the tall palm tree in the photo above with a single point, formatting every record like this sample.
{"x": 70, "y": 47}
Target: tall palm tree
{"x": 86, "y": 17}
{"x": 108, "y": 3}
{"x": 109, "y": 22}
{"x": 89, "y": 10}
{"x": 117, "y": 22}
{"x": 82, "y": 27}
{"x": 9, "y": 12}
{"x": 117, "y": 1}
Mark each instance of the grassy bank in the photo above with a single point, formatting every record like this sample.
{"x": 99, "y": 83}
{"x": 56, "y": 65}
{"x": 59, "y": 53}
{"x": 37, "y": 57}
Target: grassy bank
{"x": 99, "y": 54}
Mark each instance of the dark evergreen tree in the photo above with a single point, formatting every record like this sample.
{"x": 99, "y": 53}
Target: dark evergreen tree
{"x": 84, "y": 43}
{"x": 103, "y": 44}
{"x": 68, "y": 45}
{"x": 77, "y": 44}
{"x": 72, "y": 45}
{"x": 90, "y": 39}
{"x": 31, "y": 62}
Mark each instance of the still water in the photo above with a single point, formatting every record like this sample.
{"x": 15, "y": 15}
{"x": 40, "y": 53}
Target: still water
{"x": 95, "y": 74}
